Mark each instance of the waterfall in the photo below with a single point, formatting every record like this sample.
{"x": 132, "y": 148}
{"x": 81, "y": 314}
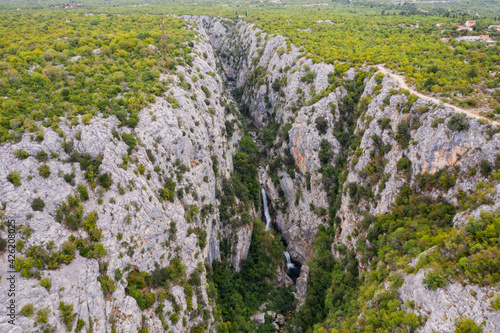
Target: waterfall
{"x": 289, "y": 262}
{"x": 266, "y": 209}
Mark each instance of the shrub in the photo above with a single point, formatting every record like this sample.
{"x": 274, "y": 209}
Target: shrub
{"x": 435, "y": 279}
{"x": 80, "y": 324}
{"x": 321, "y": 125}
{"x": 403, "y": 164}
{"x": 21, "y": 154}
{"x": 69, "y": 178}
{"x": 3, "y": 244}
{"x": 73, "y": 222}
{"x": 148, "y": 76}
{"x": 15, "y": 178}
{"x": 118, "y": 274}
{"x": 27, "y": 310}
{"x": 309, "y": 77}
{"x": 107, "y": 284}
{"x": 496, "y": 303}
{"x": 229, "y": 129}
{"x": 436, "y": 122}
{"x": 44, "y": 170}
{"x": 458, "y": 122}
{"x": 42, "y": 156}
{"x": 46, "y": 283}
{"x": 130, "y": 141}
{"x": 105, "y": 180}
{"x": 42, "y": 316}
{"x": 467, "y": 325}
{"x": 38, "y": 204}
{"x": 384, "y": 123}
{"x": 67, "y": 315}
{"x": 174, "y": 318}
{"x": 485, "y": 168}
{"x": 403, "y": 136}
{"x": 206, "y": 91}
{"x": 82, "y": 190}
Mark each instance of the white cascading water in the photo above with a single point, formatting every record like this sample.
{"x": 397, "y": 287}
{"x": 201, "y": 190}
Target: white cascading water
{"x": 289, "y": 262}
{"x": 266, "y": 210}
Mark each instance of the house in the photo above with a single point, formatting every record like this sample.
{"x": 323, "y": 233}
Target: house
{"x": 463, "y": 27}
{"x": 439, "y": 24}
{"x": 470, "y": 23}
{"x": 482, "y": 38}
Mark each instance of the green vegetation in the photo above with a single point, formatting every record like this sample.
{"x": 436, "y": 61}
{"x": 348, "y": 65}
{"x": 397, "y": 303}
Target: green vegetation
{"x": 15, "y": 178}
{"x": 321, "y": 125}
{"x": 159, "y": 278}
{"x": 56, "y": 64}
{"x": 42, "y": 156}
{"x": 240, "y": 294}
{"x": 458, "y": 122}
{"x": 105, "y": 180}
{"x": 44, "y": 171}
{"x": 67, "y": 315}
{"x": 80, "y": 324}
{"x": 42, "y": 316}
{"x": 107, "y": 284}
{"x": 83, "y": 192}
{"x": 46, "y": 283}
{"x": 27, "y": 310}
{"x": 38, "y": 204}
{"x": 37, "y": 258}
{"x": 467, "y": 325}
{"x": 21, "y": 154}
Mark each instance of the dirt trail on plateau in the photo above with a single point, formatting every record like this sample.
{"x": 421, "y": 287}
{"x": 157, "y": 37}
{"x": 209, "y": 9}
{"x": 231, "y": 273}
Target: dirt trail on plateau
{"x": 401, "y": 80}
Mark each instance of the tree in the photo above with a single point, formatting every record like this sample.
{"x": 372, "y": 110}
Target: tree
{"x": 485, "y": 167}
{"x": 44, "y": 171}
{"x": 105, "y": 180}
{"x": 38, "y": 204}
{"x": 321, "y": 124}
{"x": 458, "y": 122}
{"x": 403, "y": 136}
{"x": 15, "y": 178}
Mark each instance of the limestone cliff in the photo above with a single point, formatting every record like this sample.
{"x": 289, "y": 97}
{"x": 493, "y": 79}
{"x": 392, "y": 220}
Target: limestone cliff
{"x": 397, "y": 136}
{"x": 311, "y": 119}
{"x": 180, "y": 139}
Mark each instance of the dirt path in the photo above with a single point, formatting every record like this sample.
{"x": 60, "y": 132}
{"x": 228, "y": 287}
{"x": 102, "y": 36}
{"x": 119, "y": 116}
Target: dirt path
{"x": 401, "y": 80}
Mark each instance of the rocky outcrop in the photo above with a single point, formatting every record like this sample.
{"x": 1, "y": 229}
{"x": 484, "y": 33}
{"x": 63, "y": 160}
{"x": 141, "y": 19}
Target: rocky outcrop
{"x": 302, "y": 285}
{"x": 178, "y": 138}
{"x": 181, "y": 138}
{"x": 255, "y": 61}
{"x": 444, "y": 305}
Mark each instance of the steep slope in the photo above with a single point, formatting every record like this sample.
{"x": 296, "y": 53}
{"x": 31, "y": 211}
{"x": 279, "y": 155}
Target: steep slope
{"x": 345, "y": 147}
{"x": 369, "y": 186}
{"x": 157, "y": 206}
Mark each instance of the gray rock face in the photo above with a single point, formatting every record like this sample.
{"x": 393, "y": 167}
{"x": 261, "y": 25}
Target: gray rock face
{"x": 443, "y": 305}
{"x": 280, "y": 319}
{"x": 259, "y": 318}
{"x": 168, "y": 135}
{"x": 286, "y": 63}
{"x": 432, "y": 147}
{"x": 272, "y": 75}
{"x": 302, "y": 281}
{"x": 243, "y": 240}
